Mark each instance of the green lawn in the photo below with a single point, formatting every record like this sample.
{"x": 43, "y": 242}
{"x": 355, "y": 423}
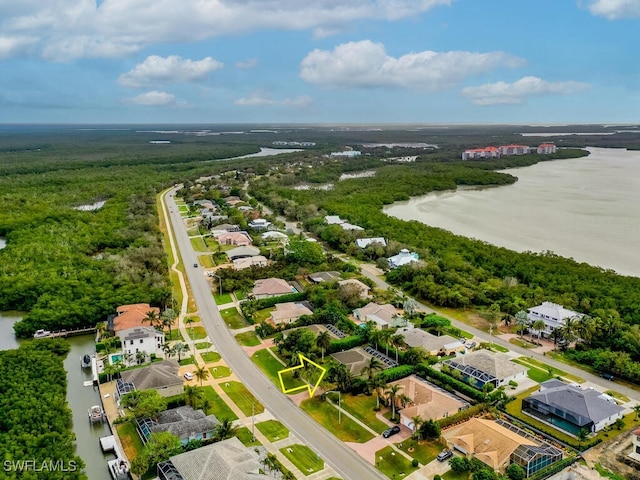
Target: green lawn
{"x": 521, "y": 343}
{"x": 361, "y": 407}
{"x": 245, "y": 436}
{"x": 187, "y": 361}
{"x": 242, "y": 398}
{"x": 268, "y": 364}
{"x": 424, "y": 452}
{"x": 220, "y": 409}
{"x": 240, "y": 295}
{"x": 197, "y": 333}
{"x": 196, "y": 319}
{"x": 327, "y": 416}
{"x": 211, "y": 357}
{"x": 555, "y": 371}
{"x": 248, "y": 339}
{"x": 262, "y": 315}
{"x": 451, "y": 475}
{"x": 203, "y": 345}
{"x": 220, "y": 371}
{"x": 198, "y": 244}
{"x": 222, "y": 299}
{"x": 273, "y": 430}
{"x": 206, "y": 261}
{"x": 233, "y": 318}
{"x": 304, "y": 458}
{"x": 499, "y": 348}
{"x": 535, "y": 374}
{"x": 175, "y": 335}
{"x": 131, "y": 442}
{"x": 392, "y": 464}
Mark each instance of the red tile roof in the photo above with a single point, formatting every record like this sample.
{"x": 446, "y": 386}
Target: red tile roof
{"x": 130, "y": 316}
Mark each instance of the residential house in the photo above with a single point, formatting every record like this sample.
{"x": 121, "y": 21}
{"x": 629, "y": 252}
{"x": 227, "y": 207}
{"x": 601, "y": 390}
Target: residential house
{"x": 571, "y": 407}
{"x": 232, "y": 200}
{"x": 161, "y": 376}
{"x": 427, "y": 401}
{"x": 319, "y": 277}
{"x": 403, "y": 258}
{"x": 184, "y": 422}
{"x": 553, "y": 315}
{"x": 635, "y": 445}
{"x": 240, "y": 239}
{"x": 481, "y": 153}
{"x": 274, "y": 235}
{"x": 514, "y": 150}
{"x": 141, "y": 339}
{"x": 499, "y": 444}
{"x": 259, "y": 224}
{"x": 225, "y": 227}
{"x": 130, "y": 316}
{"x": 225, "y": 460}
{"x": 381, "y": 315}
{"x": 242, "y": 252}
{"x": 333, "y": 220}
{"x": 363, "y": 289}
{"x": 483, "y": 366}
{"x": 347, "y": 153}
{"x": 547, "y": 148}
{"x": 432, "y": 344}
{"x": 290, "y": 312}
{"x": 351, "y": 227}
{"x": 365, "y": 242}
{"x": 271, "y": 287}
{"x": 248, "y": 262}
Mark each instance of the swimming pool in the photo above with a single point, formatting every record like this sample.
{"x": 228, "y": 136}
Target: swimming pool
{"x": 115, "y": 357}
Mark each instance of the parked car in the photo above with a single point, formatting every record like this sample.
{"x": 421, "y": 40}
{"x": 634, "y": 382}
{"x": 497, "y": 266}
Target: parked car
{"x": 444, "y": 454}
{"x": 188, "y": 376}
{"x": 471, "y": 345}
{"x": 391, "y": 431}
{"x": 607, "y": 376}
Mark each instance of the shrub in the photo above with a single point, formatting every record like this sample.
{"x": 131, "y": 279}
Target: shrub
{"x": 414, "y": 463}
{"x": 444, "y": 380}
{"x": 346, "y": 343}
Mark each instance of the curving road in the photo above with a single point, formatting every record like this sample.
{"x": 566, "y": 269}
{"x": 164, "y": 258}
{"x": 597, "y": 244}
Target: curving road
{"x": 341, "y": 458}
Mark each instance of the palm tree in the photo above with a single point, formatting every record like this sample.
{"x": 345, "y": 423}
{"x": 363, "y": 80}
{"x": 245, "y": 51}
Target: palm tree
{"x": 404, "y": 400}
{"x": 583, "y": 434}
{"x": 392, "y": 395}
{"x": 539, "y": 326}
{"x": 384, "y": 337}
{"x": 397, "y": 341}
{"x": 522, "y": 321}
{"x": 101, "y": 329}
{"x": 417, "y": 423}
{"x": 371, "y": 367}
{"x": 180, "y": 348}
{"x": 140, "y": 357}
{"x": 201, "y": 373}
{"x": 376, "y": 384}
{"x": 190, "y": 321}
{"x": 168, "y": 318}
{"x": 410, "y": 306}
{"x": 225, "y": 430}
{"x": 152, "y": 317}
{"x": 166, "y": 349}
{"x": 323, "y": 340}
{"x": 637, "y": 410}
{"x": 192, "y": 395}
{"x": 109, "y": 369}
{"x": 127, "y": 356}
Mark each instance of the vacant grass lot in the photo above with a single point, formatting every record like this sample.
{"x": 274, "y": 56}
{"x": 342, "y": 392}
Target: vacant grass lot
{"x": 198, "y": 244}
{"x": 222, "y": 299}
{"x": 327, "y": 416}
{"x": 271, "y": 365}
{"x": 206, "y": 261}
{"x": 304, "y": 458}
{"x": 233, "y": 318}
{"x": 220, "y": 409}
{"x": 131, "y": 442}
{"x": 273, "y": 430}
{"x": 242, "y": 398}
{"x": 361, "y": 407}
{"x": 220, "y": 371}
{"x": 393, "y": 465}
{"x": 248, "y": 339}
{"x": 211, "y": 357}
{"x": 532, "y": 362}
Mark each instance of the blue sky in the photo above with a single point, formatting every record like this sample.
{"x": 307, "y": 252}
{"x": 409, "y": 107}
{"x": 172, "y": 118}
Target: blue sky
{"x": 319, "y": 61}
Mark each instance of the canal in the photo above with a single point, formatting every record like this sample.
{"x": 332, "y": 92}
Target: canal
{"x": 80, "y": 398}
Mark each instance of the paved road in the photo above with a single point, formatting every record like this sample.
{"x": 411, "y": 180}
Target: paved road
{"x": 601, "y": 382}
{"x": 341, "y": 458}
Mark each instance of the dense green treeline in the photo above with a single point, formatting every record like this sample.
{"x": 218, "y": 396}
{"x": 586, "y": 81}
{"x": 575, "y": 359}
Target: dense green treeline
{"x": 35, "y": 424}
{"x": 70, "y": 268}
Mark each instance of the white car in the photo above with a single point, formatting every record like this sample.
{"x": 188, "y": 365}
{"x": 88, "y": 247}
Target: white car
{"x": 188, "y": 376}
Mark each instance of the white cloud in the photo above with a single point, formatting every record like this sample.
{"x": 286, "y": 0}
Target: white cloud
{"x": 247, "y": 64}
{"x": 69, "y": 29}
{"x": 153, "y": 98}
{"x": 13, "y": 45}
{"x": 366, "y": 64}
{"x": 615, "y": 9}
{"x": 502, "y": 93}
{"x": 260, "y": 100}
{"x": 172, "y": 69}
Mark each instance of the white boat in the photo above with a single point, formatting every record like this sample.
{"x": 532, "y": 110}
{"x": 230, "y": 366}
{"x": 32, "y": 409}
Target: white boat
{"x": 119, "y": 469}
{"x": 96, "y": 414}
{"x": 85, "y": 361}
{"x": 41, "y": 334}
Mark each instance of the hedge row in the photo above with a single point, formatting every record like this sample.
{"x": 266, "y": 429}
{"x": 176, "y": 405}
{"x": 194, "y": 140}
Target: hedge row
{"x": 346, "y": 343}
{"x": 396, "y": 373}
{"x": 449, "y": 383}
{"x": 553, "y": 469}
{"x": 462, "y": 416}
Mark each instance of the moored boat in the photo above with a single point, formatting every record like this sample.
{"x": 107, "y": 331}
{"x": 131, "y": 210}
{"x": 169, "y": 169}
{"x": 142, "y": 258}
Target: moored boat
{"x": 41, "y": 334}
{"x": 85, "y": 361}
{"x": 96, "y": 414}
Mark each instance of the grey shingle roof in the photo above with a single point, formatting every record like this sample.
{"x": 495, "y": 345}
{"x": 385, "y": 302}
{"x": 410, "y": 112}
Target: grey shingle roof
{"x": 495, "y": 364}
{"x": 161, "y": 374}
{"x": 582, "y": 403}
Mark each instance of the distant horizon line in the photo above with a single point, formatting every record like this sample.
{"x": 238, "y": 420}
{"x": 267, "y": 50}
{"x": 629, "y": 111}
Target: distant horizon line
{"x": 371, "y": 124}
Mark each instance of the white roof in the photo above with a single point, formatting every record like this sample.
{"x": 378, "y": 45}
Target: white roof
{"x": 553, "y": 311}
{"x": 365, "y": 242}
{"x": 350, "y": 226}
{"x": 333, "y": 219}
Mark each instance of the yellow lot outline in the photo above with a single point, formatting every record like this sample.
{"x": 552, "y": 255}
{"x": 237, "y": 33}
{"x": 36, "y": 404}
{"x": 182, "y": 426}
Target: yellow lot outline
{"x": 302, "y": 387}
